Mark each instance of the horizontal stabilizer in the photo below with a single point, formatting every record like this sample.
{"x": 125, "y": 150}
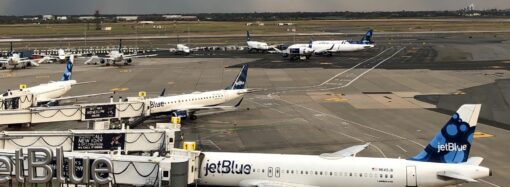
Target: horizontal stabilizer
{"x": 475, "y": 161}
{"x": 455, "y": 175}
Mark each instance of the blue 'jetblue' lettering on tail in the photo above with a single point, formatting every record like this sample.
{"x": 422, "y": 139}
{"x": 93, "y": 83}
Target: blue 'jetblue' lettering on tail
{"x": 248, "y": 38}
{"x": 69, "y": 69}
{"x": 367, "y": 38}
{"x": 240, "y": 82}
{"x": 453, "y": 143}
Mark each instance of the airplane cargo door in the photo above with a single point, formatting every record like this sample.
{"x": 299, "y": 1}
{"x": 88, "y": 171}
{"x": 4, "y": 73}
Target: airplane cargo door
{"x": 411, "y": 176}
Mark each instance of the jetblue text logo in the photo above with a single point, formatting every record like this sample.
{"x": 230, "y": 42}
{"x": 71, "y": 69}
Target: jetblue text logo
{"x": 156, "y": 104}
{"x": 226, "y": 167}
{"x": 239, "y": 83}
{"x": 451, "y": 147}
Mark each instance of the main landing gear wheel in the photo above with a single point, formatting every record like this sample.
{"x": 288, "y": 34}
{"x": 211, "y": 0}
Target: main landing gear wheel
{"x": 193, "y": 117}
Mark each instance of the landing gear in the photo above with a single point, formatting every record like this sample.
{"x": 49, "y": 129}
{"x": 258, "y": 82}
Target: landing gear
{"x": 193, "y": 117}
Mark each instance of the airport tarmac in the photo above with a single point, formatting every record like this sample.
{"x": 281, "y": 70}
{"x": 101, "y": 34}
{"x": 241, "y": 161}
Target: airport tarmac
{"x": 317, "y": 106}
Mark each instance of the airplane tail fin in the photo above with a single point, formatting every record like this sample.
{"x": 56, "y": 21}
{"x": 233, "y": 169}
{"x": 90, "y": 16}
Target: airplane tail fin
{"x": 367, "y": 38}
{"x": 453, "y": 143}
{"x": 120, "y": 46}
{"x": 240, "y": 81}
{"x": 248, "y": 38}
{"x": 69, "y": 69}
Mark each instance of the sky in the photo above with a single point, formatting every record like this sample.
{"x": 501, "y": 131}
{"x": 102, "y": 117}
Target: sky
{"x": 78, "y": 7}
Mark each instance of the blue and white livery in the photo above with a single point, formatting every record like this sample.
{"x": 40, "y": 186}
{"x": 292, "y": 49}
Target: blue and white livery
{"x": 444, "y": 162}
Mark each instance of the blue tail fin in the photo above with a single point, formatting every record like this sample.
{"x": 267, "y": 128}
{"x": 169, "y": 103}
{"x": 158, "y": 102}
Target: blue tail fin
{"x": 367, "y": 38}
{"x": 453, "y": 143}
{"x": 248, "y": 38}
{"x": 69, "y": 69}
{"x": 240, "y": 82}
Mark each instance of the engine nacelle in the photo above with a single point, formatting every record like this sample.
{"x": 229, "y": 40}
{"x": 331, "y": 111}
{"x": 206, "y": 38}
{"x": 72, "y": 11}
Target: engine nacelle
{"x": 129, "y": 60}
{"x": 102, "y": 61}
{"x": 180, "y": 113}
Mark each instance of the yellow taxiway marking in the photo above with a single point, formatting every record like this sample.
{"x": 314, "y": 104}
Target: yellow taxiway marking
{"x": 479, "y": 134}
{"x": 171, "y": 82}
{"x": 120, "y": 89}
{"x": 126, "y": 71}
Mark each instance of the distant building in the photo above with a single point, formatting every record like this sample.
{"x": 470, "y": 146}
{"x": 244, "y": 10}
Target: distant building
{"x": 285, "y": 24}
{"x": 85, "y": 18}
{"x": 146, "y": 22}
{"x": 180, "y": 18}
{"x": 48, "y": 17}
{"x": 258, "y": 23}
{"x": 62, "y": 18}
{"x": 126, "y": 18}
{"x": 31, "y": 19}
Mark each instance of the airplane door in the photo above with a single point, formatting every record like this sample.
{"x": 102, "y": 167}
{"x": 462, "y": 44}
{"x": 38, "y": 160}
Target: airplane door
{"x": 270, "y": 172}
{"x": 277, "y": 172}
{"x": 411, "y": 176}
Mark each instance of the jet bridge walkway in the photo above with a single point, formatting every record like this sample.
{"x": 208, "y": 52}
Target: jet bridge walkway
{"x": 161, "y": 139}
{"x": 135, "y": 107}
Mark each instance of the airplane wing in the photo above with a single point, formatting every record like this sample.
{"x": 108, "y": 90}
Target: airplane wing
{"x": 219, "y": 107}
{"x": 81, "y": 96}
{"x": 268, "y": 183}
{"x": 455, "y": 175}
{"x": 94, "y": 59}
{"x": 347, "y": 152}
{"x": 42, "y": 100}
{"x": 140, "y": 56}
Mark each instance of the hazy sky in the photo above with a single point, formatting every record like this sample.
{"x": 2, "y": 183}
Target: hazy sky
{"x": 68, "y": 7}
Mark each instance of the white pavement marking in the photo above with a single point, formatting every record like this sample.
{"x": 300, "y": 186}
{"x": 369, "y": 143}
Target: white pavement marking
{"x": 492, "y": 184}
{"x": 401, "y": 148}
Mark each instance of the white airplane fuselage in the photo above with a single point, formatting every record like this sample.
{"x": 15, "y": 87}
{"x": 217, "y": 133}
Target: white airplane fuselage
{"x": 193, "y": 100}
{"x": 339, "y": 46}
{"x": 254, "y": 45}
{"x": 247, "y": 169}
{"x": 52, "y": 90}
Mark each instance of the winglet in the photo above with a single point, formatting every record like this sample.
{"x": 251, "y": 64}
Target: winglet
{"x": 162, "y": 92}
{"x": 239, "y": 103}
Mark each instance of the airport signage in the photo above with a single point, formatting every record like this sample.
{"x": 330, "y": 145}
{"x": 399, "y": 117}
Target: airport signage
{"x": 109, "y": 141}
{"x": 40, "y": 159}
{"x": 100, "y": 111}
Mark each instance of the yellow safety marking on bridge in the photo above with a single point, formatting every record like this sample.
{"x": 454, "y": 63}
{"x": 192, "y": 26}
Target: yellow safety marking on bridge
{"x": 479, "y": 134}
{"x": 119, "y": 89}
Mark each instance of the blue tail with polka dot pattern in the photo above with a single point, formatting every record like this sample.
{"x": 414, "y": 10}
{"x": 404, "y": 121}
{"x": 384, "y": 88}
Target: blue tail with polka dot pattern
{"x": 453, "y": 143}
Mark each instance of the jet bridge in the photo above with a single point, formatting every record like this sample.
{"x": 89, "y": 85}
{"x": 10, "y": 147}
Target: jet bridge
{"x": 80, "y": 112}
{"x": 161, "y": 139}
{"x": 177, "y": 169}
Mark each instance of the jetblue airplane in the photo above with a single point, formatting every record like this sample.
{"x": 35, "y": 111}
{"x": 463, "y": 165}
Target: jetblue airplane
{"x": 256, "y": 46}
{"x": 186, "y": 105}
{"x": 335, "y": 46}
{"x": 51, "y": 93}
{"x": 445, "y": 161}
